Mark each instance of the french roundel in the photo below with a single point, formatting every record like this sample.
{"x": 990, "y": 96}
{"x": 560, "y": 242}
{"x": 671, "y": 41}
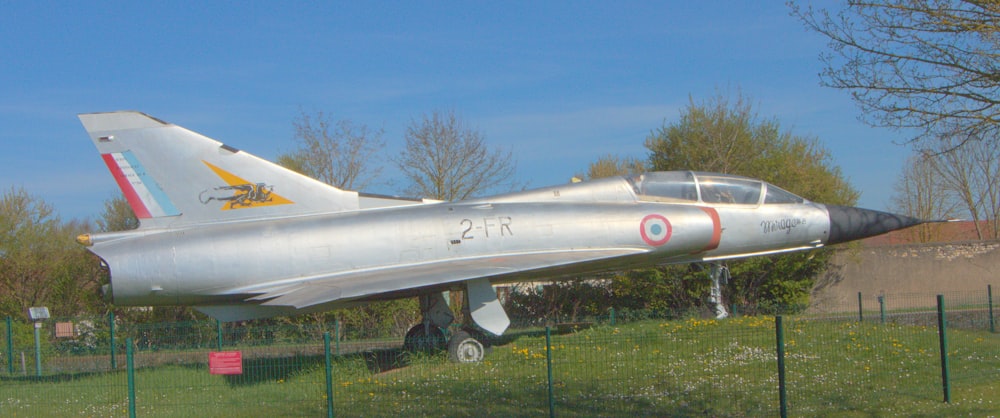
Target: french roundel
{"x": 655, "y": 230}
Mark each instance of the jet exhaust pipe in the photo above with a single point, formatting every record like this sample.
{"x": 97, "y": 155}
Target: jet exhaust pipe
{"x": 850, "y": 223}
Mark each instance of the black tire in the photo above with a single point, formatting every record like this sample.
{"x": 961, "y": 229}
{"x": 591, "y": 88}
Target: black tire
{"x": 417, "y": 340}
{"x": 464, "y": 347}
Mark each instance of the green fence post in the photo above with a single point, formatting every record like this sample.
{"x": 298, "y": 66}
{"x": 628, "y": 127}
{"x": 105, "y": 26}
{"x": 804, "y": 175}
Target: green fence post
{"x": 943, "y": 336}
{"x": 130, "y": 364}
{"x": 329, "y": 375}
{"x": 111, "y": 328}
{"x": 218, "y": 331}
{"x": 989, "y": 298}
{"x": 881, "y": 308}
{"x": 548, "y": 364}
{"x": 612, "y": 316}
{"x": 336, "y": 333}
{"x": 861, "y": 313}
{"x": 38, "y": 349}
{"x": 779, "y": 331}
{"x": 10, "y": 346}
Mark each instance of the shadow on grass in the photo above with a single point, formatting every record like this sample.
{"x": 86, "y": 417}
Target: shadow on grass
{"x": 271, "y": 369}
{"x": 381, "y": 361}
{"x": 511, "y": 336}
{"x": 56, "y": 378}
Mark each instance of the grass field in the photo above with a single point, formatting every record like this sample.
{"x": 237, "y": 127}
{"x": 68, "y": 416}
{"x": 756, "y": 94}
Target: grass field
{"x": 651, "y": 368}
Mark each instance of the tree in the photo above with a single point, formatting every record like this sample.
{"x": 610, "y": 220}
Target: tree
{"x": 76, "y": 275}
{"x": 970, "y": 174}
{"x": 561, "y": 300}
{"x": 40, "y": 263}
{"x": 341, "y": 154}
{"x": 117, "y": 216}
{"x": 920, "y": 193}
{"x": 613, "y": 165}
{"x": 727, "y": 136}
{"x": 924, "y": 64}
{"x": 446, "y": 160}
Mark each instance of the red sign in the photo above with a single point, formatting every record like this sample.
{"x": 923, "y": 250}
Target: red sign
{"x": 225, "y": 362}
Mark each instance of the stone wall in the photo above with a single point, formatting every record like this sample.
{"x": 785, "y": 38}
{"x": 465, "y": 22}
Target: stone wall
{"x": 908, "y": 274}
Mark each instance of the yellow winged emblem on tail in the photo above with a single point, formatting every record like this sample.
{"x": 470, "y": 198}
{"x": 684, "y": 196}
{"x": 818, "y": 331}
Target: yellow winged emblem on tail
{"x": 244, "y": 195}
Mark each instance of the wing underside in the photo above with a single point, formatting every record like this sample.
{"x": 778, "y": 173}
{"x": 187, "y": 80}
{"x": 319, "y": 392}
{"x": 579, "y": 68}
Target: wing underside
{"x": 304, "y": 293}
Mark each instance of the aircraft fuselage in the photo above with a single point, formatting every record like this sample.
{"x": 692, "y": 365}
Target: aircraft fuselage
{"x": 203, "y": 264}
{"x": 238, "y": 237}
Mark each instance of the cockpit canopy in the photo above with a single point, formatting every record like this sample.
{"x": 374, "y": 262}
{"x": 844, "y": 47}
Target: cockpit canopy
{"x": 711, "y": 188}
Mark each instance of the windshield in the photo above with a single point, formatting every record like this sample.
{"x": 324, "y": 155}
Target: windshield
{"x": 691, "y": 187}
{"x": 777, "y": 195}
{"x": 666, "y": 186}
{"x": 720, "y": 189}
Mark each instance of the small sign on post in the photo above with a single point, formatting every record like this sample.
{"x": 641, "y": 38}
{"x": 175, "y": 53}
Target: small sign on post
{"x": 38, "y": 314}
{"x": 225, "y": 362}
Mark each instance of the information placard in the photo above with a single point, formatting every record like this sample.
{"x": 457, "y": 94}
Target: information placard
{"x": 225, "y": 362}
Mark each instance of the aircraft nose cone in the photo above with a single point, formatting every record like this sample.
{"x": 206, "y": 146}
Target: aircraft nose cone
{"x": 850, "y": 223}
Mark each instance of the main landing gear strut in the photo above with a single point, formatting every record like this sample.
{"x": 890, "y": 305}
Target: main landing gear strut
{"x": 429, "y": 334}
{"x": 468, "y": 344}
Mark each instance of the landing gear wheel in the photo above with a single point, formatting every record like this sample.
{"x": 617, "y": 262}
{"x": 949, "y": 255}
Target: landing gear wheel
{"x": 424, "y": 339}
{"x": 464, "y": 347}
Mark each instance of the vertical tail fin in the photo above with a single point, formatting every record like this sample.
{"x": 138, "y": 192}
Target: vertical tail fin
{"x": 172, "y": 176}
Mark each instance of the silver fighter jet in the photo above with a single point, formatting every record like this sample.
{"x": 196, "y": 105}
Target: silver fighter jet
{"x": 238, "y": 237}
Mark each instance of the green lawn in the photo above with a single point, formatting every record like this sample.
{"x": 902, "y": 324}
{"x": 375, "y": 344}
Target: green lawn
{"x": 651, "y": 368}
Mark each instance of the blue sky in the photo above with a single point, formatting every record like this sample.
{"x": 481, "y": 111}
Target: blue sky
{"x": 562, "y": 83}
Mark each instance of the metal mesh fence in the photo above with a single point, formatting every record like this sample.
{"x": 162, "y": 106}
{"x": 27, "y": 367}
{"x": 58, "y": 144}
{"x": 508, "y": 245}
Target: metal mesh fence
{"x": 884, "y": 360}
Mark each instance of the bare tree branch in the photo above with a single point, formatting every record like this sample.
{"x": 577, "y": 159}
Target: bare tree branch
{"x": 341, "y": 154}
{"x": 445, "y": 160}
{"x": 929, "y": 65}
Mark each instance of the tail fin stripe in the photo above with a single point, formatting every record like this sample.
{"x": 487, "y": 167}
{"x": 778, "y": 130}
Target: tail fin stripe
{"x": 145, "y": 197}
{"x": 158, "y": 202}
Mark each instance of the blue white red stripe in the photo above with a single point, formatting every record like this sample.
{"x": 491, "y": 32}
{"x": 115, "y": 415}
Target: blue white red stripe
{"x": 145, "y": 197}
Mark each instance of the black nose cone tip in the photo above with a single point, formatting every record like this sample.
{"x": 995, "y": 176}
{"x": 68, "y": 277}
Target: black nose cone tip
{"x": 850, "y": 223}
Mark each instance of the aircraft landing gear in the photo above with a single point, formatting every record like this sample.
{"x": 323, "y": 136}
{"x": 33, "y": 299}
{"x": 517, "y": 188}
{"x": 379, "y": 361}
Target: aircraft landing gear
{"x": 424, "y": 338}
{"x": 719, "y": 275}
{"x": 466, "y": 346}
{"x": 429, "y": 334}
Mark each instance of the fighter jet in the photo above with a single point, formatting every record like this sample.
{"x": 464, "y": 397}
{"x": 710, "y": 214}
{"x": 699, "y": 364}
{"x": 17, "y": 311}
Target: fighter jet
{"x": 238, "y": 237}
